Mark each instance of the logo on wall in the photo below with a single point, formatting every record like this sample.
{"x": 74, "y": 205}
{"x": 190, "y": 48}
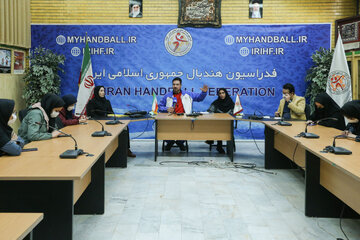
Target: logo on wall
{"x": 75, "y": 51}
{"x": 60, "y": 40}
{"x": 244, "y": 51}
{"x": 229, "y": 40}
{"x": 178, "y": 42}
{"x": 339, "y": 82}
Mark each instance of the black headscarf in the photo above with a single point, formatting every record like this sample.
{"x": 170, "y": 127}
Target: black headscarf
{"x": 352, "y": 110}
{"x": 6, "y": 109}
{"x": 98, "y": 106}
{"x": 330, "y": 106}
{"x": 69, "y": 100}
{"x": 331, "y": 109}
{"x": 48, "y": 103}
{"x": 225, "y": 104}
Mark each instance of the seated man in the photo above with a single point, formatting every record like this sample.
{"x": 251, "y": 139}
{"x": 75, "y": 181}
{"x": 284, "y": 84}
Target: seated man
{"x": 291, "y": 106}
{"x": 180, "y": 101}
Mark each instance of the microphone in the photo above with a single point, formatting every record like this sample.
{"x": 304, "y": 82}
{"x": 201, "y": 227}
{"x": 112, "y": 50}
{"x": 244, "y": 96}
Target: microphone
{"x": 135, "y": 114}
{"x": 101, "y": 133}
{"x": 337, "y": 150}
{"x": 68, "y": 153}
{"x": 174, "y": 102}
{"x": 111, "y": 122}
{"x": 283, "y": 123}
{"x": 173, "y": 105}
{"x": 305, "y": 134}
{"x": 256, "y": 117}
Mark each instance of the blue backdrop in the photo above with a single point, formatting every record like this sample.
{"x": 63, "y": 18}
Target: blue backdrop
{"x": 133, "y": 61}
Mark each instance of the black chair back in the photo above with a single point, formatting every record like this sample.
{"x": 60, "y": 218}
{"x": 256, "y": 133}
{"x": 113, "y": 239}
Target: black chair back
{"x": 307, "y": 111}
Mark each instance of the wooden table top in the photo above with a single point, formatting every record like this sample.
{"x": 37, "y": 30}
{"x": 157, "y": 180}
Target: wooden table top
{"x": 18, "y": 225}
{"x": 46, "y": 163}
{"x": 348, "y": 163}
{"x": 211, "y": 116}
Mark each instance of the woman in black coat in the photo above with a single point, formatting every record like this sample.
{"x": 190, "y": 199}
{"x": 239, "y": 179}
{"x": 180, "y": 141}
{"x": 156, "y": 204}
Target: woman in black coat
{"x": 351, "y": 110}
{"x": 223, "y": 104}
{"x": 99, "y": 107}
{"x": 326, "y": 107}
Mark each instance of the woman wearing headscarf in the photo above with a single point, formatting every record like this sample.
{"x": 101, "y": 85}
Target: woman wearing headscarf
{"x": 10, "y": 143}
{"x": 66, "y": 114}
{"x": 351, "y": 111}
{"x": 326, "y": 107}
{"x": 40, "y": 118}
{"x": 99, "y": 107}
{"x": 223, "y": 104}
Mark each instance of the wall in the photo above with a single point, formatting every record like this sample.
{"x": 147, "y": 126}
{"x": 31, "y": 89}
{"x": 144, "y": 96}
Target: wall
{"x": 14, "y": 35}
{"x": 166, "y": 12}
{"x": 11, "y": 86}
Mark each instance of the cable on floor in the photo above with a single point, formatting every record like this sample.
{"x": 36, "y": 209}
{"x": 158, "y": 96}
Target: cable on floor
{"x": 147, "y": 124}
{"x": 340, "y": 221}
{"x": 250, "y": 166}
{"x": 252, "y": 135}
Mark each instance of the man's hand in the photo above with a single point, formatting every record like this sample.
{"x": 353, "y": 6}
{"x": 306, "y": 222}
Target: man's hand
{"x": 277, "y": 114}
{"x": 204, "y": 88}
{"x": 287, "y": 97}
{"x": 170, "y": 109}
{"x": 309, "y": 122}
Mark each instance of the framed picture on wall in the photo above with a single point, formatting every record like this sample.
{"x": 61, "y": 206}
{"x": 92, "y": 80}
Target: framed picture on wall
{"x": 5, "y": 61}
{"x": 135, "y": 9}
{"x": 255, "y": 8}
{"x": 199, "y": 13}
{"x": 19, "y": 62}
{"x": 349, "y": 28}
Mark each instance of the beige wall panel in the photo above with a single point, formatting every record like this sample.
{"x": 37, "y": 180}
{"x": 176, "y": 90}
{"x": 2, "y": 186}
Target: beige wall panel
{"x": 15, "y": 23}
{"x": 166, "y": 12}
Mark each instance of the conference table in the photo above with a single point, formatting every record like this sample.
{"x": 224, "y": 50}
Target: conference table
{"x": 39, "y": 181}
{"x": 331, "y": 180}
{"x": 17, "y": 226}
{"x": 214, "y": 126}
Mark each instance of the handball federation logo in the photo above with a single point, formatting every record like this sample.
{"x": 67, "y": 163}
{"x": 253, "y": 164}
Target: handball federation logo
{"x": 60, "y": 40}
{"x": 178, "y": 42}
{"x": 339, "y": 82}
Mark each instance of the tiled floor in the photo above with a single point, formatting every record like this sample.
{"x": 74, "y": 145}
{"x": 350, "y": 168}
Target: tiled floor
{"x": 178, "y": 201}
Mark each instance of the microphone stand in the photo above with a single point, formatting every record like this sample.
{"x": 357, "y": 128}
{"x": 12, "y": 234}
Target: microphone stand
{"x": 68, "y": 153}
{"x": 313, "y": 135}
{"x": 111, "y": 122}
{"x": 283, "y": 123}
{"x": 337, "y": 150}
{"x": 101, "y": 133}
